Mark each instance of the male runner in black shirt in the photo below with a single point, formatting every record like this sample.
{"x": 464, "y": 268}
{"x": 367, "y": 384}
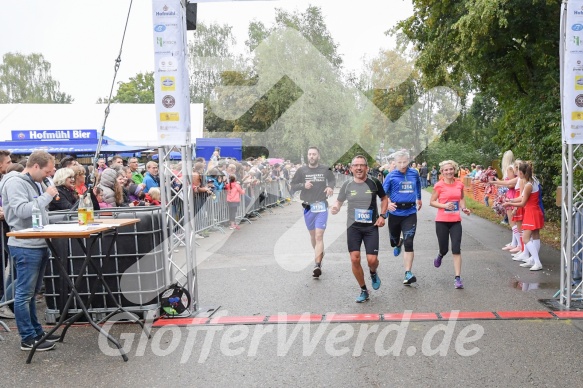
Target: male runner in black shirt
{"x": 316, "y": 182}
{"x": 363, "y": 221}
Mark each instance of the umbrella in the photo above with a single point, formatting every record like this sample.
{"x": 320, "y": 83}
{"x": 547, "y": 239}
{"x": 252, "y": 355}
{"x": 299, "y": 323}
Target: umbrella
{"x": 273, "y": 161}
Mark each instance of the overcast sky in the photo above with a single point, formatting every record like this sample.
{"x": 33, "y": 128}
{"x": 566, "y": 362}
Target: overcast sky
{"x": 81, "y": 38}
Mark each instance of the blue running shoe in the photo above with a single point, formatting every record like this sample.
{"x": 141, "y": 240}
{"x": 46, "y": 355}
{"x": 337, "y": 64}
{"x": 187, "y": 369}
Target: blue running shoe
{"x": 397, "y": 249}
{"x": 376, "y": 281}
{"x": 363, "y": 297}
{"x": 458, "y": 283}
{"x": 437, "y": 261}
{"x": 409, "y": 278}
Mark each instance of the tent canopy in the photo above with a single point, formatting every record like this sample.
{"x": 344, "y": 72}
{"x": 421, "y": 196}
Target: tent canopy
{"x": 131, "y": 124}
{"x": 68, "y": 146}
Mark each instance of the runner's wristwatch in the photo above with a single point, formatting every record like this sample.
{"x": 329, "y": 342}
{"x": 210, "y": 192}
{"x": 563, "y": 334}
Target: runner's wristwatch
{"x": 384, "y": 216}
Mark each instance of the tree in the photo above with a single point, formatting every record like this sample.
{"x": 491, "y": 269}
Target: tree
{"x": 27, "y": 79}
{"x": 508, "y": 50}
{"x": 210, "y": 42}
{"x": 293, "y": 97}
{"x": 138, "y": 90}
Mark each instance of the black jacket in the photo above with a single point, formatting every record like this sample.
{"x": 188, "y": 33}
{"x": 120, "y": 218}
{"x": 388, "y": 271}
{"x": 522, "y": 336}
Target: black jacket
{"x": 67, "y": 199}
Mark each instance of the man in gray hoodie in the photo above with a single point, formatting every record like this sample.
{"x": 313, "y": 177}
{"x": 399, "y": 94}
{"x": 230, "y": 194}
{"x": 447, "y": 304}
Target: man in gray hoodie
{"x": 19, "y": 192}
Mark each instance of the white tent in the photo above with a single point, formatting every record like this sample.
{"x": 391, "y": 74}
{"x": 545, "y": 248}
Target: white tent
{"x": 130, "y": 124}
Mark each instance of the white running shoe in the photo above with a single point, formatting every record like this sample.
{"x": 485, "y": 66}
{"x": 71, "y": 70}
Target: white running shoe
{"x": 523, "y": 256}
{"x": 527, "y": 264}
{"x": 536, "y": 267}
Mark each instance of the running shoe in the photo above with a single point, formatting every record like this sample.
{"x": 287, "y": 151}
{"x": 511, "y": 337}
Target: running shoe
{"x": 536, "y": 267}
{"x": 50, "y": 338}
{"x": 458, "y": 283}
{"x": 520, "y": 256}
{"x": 28, "y": 345}
{"x": 397, "y": 249}
{"x": 363, "y": 297}
{"x": 317, "y": 271}
{"x": 376, "y": 281}
{"x": 437, "y": 261}
{"x": 409, "y": 278}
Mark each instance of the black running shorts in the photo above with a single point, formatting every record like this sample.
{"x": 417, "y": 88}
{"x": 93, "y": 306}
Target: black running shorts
{"x": 369, "y": 234}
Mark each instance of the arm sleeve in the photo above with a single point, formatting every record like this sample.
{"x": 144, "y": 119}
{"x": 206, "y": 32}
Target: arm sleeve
{"x": 342, "y": 194}
{"x": 297, "y": 183}
{"x": 62, "y": 204}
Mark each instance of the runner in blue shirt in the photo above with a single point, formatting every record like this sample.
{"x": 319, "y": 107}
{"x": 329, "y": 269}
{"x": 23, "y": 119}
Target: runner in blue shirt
{"x": 403, "y": 187}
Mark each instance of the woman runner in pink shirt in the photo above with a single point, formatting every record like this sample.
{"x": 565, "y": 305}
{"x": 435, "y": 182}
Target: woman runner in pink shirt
{"x": 448, "y": 198}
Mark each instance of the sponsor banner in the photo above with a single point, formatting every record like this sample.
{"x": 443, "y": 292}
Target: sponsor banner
{"x": 572, "y": 73}
{"x": 171, "y": 81}
{"x": 59, "y": 134}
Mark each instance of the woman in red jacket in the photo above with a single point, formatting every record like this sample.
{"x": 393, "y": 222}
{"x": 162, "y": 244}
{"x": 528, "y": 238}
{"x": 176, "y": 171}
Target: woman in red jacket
{"x": 234, "y": 192}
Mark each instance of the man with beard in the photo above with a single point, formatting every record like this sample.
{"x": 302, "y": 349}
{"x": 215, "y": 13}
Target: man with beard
{"x": 363, "y": 221}
{"x": 316, "y": 183}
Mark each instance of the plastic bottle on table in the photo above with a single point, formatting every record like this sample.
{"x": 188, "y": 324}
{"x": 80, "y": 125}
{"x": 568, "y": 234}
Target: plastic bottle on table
{"x": 37, "y": 217}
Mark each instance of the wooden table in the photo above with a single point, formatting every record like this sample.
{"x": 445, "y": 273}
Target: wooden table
{"x": 86, "y": 239}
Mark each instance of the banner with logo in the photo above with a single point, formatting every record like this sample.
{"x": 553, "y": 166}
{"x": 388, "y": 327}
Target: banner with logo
{"x": 58, "y": 134}
{"x": 572, "y": 96}
{"x": 171, "y": 81}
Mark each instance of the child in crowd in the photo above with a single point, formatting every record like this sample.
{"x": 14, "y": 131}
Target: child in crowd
{"x": 234, "y": 192}
{"x": 99, "y": 195}
{"x": 153, "y": 196}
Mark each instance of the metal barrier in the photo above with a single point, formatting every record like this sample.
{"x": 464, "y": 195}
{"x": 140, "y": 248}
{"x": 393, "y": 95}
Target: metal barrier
{"x": 8, "y": 275}
{"x": 135, "y": 272}
{"x": 341, "y": 178}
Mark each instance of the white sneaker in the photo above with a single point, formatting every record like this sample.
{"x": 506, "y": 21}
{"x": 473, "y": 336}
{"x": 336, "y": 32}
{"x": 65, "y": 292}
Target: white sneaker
{"x": 536, "y": 267}
{"x": 523, "y": 256}
{"x": 527, "y": 264}
{"x": 6, "y": 313}
{"x": 198, "y": 236}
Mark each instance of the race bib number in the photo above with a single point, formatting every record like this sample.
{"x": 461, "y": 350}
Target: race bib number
{"x": 363, "y": 215}
{"x": 318, "y": 207}
{"x": 456, "y": 208}
{"x": 406, "y": 187}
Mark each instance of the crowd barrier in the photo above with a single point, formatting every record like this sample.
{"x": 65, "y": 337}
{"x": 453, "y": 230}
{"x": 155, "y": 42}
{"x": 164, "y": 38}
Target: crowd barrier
{"x": 211, "y": 212}
{"x": 341, "y": 178}
{"x": 135, "y": 271}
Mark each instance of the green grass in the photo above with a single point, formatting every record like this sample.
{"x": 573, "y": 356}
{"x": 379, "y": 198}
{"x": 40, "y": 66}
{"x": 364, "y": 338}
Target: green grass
{"x": 550, "y": 234}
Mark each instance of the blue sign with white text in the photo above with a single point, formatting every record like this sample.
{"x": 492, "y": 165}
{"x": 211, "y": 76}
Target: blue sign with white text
{"x": 57, "y": 134}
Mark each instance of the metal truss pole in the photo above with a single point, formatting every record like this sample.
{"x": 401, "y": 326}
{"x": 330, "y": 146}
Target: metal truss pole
{"x": 178, "y": 212}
